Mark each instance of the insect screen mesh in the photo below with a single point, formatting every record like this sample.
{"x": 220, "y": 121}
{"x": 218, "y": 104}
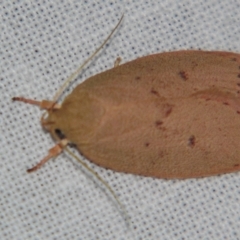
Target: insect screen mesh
{"x": 42, "y": 43}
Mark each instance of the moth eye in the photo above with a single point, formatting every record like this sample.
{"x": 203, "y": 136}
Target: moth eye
{"x": 72, "y": 145}
{"x": 59, "y": 134}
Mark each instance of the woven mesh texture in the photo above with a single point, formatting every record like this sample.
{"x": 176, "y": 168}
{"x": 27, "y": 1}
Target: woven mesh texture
{"x": 41, "y": 44}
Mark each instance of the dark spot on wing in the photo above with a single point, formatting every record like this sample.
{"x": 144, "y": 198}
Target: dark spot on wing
{"x": 168, "y": 111}
{"x": 238, "y": 75}
{"x": 183, "y": 75}
{"x": 153, "y": 91}
{"x": 159, "y": 126}
{"x": 191, "y": 141}
{"x": 158, "y": 123}
{"x": 147, "y": 144}
{"x": 137, "y": 78}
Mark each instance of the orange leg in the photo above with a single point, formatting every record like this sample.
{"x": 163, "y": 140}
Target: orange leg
{"x": 44, "y": 104}
{"x": 117, "y": 62}
{"x": 53, "y": 152}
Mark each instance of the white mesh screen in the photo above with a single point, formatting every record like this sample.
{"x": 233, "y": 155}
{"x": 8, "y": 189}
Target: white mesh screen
{"x": 41, "y": 44}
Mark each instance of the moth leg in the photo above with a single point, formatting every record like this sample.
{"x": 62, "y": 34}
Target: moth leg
{"x": 53, "y": 152}
{"x": 117, "y": 61}
{"x": 44, "y": 104}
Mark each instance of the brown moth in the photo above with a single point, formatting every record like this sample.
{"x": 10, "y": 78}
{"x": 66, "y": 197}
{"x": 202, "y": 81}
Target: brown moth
{"x": 168, "y": 115}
